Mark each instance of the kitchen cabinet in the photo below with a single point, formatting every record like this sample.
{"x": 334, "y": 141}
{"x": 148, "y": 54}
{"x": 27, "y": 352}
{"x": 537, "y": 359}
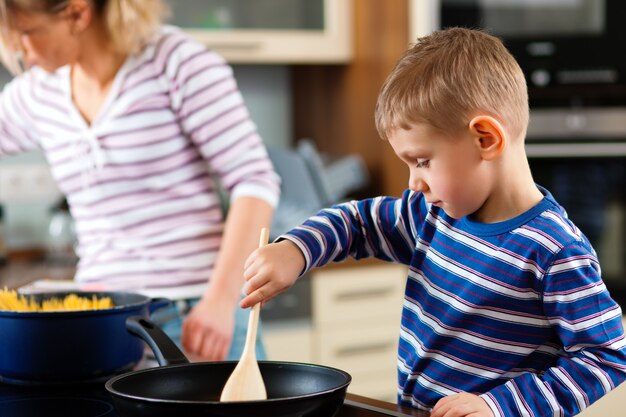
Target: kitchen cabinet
{"x": 356, "y": 313}
{"x": 423, "y": 18}
{"x": 354, "y": 327}
{"x": 334, "y": 104}
{"x": 289, "y": 341}
{"x": 270, "y": 31}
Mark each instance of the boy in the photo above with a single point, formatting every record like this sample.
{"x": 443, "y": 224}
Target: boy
{"x": 505, "y": 312}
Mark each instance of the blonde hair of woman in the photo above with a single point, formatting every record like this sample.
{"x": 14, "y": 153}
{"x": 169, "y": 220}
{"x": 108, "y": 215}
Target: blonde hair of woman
{"x": 129, "y": 23}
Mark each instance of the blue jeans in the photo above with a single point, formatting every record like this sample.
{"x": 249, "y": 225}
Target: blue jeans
{"x": 170, "y": 319}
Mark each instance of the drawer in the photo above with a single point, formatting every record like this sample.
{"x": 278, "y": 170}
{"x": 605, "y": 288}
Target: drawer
{"x": 290, "y": 342}
{"x": 362, "y": 348}
{"x": 362, "y": 293}
{"x": 379, "y": 385}
{"x": 609, "y": 405}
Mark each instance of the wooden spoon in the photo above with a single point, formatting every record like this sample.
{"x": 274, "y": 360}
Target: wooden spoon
{"x": 246, "y": 382}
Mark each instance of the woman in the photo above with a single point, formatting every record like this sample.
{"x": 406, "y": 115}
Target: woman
{"x": 140, "y": 124}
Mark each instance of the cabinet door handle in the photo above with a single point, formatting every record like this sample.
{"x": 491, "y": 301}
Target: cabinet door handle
{"x": 364, "y": 349}
{"x": 357, "y": 295}
{"x": 238, "y": 46}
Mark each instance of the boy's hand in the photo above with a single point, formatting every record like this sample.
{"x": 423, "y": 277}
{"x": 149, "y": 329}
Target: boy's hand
{"x": 462, "y": 404}
{"x": 271, "y": 270}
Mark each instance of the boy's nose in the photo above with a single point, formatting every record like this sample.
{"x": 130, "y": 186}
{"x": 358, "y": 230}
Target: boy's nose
{"x": 417, "y": 184}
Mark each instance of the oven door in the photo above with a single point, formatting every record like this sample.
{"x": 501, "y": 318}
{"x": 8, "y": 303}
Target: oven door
{"x": 588, "y": 132}
{"x": 591, "y": 188}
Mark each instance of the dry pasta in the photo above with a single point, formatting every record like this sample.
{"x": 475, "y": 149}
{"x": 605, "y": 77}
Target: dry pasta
{"x": 10, "y": 300}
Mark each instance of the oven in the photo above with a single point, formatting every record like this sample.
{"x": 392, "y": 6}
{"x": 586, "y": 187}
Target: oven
{"x": 589, "y": 181}
{"x": 571, "y": 52}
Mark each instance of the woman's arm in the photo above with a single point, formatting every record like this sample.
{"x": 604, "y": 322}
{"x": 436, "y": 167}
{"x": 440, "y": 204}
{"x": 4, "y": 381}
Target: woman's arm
{"x": 208, "y": 329}
{"x": 18, "y": 127}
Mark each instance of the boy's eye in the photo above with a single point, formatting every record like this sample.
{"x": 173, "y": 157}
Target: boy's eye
{"x": 422, "y": 163}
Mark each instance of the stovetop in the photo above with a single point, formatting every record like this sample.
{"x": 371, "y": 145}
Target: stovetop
{"x": 92, "y": 400}
{"x": 84, "y": 400}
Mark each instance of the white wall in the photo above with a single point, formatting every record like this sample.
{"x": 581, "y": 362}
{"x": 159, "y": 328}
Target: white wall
{"x": 267, "y": 92}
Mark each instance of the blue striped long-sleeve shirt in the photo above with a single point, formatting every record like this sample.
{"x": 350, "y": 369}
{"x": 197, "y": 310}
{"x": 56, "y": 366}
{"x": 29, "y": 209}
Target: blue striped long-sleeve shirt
{"x": 514, "y": 311}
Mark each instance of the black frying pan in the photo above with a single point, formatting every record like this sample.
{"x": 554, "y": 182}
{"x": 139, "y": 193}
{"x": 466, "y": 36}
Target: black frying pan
{"x": 193, "y": 389}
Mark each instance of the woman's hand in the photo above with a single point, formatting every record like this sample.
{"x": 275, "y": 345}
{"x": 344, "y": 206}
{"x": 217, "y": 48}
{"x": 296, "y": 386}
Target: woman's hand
{"x": 271, "y": 270}
{"x": 208, "y": 328}
{"x": 462, "y": 404}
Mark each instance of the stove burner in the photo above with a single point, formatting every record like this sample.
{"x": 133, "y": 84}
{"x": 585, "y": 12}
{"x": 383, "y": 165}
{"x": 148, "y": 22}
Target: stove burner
{"x": 80, "y": 400}
{"x": 56, "y": 407}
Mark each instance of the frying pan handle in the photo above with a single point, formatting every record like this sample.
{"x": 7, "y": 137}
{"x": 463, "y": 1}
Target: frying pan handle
{"x": 165, "y": 350}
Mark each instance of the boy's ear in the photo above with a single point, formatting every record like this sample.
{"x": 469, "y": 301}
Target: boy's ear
{"x": 489, "y": 136}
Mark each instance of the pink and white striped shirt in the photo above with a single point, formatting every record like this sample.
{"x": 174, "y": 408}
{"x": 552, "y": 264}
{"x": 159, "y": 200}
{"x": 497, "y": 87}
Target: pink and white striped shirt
{"x": 142, "y": 180}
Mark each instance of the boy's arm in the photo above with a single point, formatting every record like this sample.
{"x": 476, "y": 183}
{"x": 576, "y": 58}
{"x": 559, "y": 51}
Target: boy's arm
{"x": 380, "y": 227}
{"x": 592, "y": 359}
{"x": 383, "y": 227}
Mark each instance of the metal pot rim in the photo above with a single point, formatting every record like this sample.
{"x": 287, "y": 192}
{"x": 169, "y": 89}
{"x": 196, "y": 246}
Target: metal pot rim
{"x": 142, "y": 300}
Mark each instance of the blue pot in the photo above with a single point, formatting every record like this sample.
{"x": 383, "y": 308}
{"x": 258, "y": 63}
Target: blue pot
{"x": 72, "y": 346}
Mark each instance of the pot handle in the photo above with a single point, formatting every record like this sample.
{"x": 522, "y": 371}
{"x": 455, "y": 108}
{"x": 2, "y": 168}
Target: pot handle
{"x": 157, "y": 303}
{"x": 165, "y": 350}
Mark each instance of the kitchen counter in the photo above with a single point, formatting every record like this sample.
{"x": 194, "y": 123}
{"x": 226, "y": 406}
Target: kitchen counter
{"x": 19, "y": 272}
{"x": 25, "y": 268}
{"x": 358, "y": 406}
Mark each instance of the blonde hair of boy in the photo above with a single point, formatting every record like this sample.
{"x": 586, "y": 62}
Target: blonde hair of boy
{"x": 449, "y": 77}
{"x": 130, "y": 23}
